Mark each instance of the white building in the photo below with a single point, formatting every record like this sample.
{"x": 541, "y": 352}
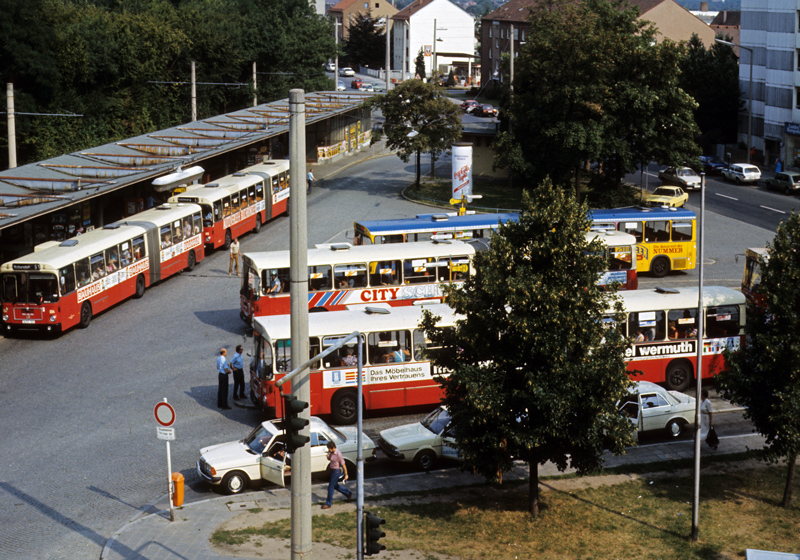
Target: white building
{"x": 444, "y": 32}
{"x": 770, "y": 29}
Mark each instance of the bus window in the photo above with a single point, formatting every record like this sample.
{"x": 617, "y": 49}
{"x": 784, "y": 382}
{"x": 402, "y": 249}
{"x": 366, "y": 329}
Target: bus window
{"x": 635, "y": 229}
{"x": 346, "y": 356}
{"x": 319, "y": 278}
{"x": 313, "y": 350}
{"x": 125, "y": 254}
{"x": 251, "y": 194}
{"x": 384, "y": 273}
{"x": 139, "y": 250}
{"x": 166, "y": 236}
{"x": 283, "y": 356}
{"x": 354, "y": 275}
{"x": 649, "y": 324}
{"x": 66, "y": 277}
{"x": 684, "y": 322}
{"x": 657, "y": 232}
{"x": 610, "y": 321}
{"x": 177, "y": 232}
{"x": 259, "y": 192}
{"x": 226, "y": 207}
{"x": 243, "y": 201}
{"x": 217, "y": 210}
{"x": 112, "y": 260}
{"x": 722, "y": 321}
{"x": 98, "y": 265}
{"x": 681, "y": 231}
{"x": 284, "y": 179}
{"x": 389, "y": 347}
{"x": 197, "y": 222}
{"x": 83, "y": 272}
{"x": 276, "y": 185}
{"x": 43, "y": 288}
{"x": 10, "y": 288}
{"x": 263, "y": 357}
{"x": 234, "y": 203}
{"x": 275, "y": 281}
{"x": 457, "y": 268}
{"x": 418, "y": 271}
{"x": 620, "y": 258}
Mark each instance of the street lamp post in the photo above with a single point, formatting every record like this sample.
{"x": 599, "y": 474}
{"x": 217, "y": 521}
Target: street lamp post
{"x": 749, "y": 98}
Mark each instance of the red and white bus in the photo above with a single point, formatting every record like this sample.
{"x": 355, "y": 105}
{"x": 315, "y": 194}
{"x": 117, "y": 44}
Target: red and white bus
{"x": 242, "y": 202}
{"x": 396, "y": 370}
{"x": 61, "y": 285}
{"x": 662, "y": 323}
{"x": 341, "y": 275}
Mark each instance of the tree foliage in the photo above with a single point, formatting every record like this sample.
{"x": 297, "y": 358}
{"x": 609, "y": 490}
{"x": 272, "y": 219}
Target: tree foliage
{"x": 764, "y": 376}
{"x": 535, "y": 370}
{"x": 366, "y": 44}
{"x": 591, "y": 83}
{"x": 419, "y": 65}
{"x": 419, "y": 118}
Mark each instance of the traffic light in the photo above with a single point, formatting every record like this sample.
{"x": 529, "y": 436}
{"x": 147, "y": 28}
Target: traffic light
{"x": 293, "y": 423}
{"x": 373, "y": 533}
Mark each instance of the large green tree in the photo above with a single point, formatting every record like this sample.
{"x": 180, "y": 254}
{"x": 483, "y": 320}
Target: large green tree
{"x": 419, "y": 118}
{"x": 764, "y": 376}
{"x": 591, "y": 82}
{"x": 366, "y": 44}
{"x": 535, "y": 367}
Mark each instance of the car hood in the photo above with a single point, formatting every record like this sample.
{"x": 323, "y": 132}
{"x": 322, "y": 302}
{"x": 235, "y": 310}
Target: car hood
{"x": 228, "y": 455}
{"x": 408, "y": 435}
{"x": 351, "y": 434}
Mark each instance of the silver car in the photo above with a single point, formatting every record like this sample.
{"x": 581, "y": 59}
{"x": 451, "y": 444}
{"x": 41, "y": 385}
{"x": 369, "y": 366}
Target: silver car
{"x": 421, "y": 442}
{"x": 682, "y": 176}
{"x": 651, "y": 407}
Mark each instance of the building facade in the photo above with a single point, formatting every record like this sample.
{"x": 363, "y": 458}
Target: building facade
{"x": 345, "y": 13}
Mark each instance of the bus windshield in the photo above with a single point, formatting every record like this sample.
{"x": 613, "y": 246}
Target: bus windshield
{"x": 29, "y": 287}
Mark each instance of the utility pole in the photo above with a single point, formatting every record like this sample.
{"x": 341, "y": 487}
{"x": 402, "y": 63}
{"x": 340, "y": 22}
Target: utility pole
{"x": 404, "y": 65}
{"x": 194, "y": 96}
{"x": 255, "y": 86}
{"x": 511, "y": 62}
{"x": 12, "y": 130}
{"x": 388, "y": 60}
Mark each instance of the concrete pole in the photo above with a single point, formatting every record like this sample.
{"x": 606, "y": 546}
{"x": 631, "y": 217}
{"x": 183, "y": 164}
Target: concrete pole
{"x": 403, "y": 57}
{"x": 388, "y": 60}
{"x": 433, "y": 58}
{"x": 194, "y": 96}
{"x": 336, "y": 25}
{"x": 750, "y": 108}
{"x": 12, "y": 130}
{"x": 511, "y": 62}
{"x": 298, "y": 293}
{"x": 255, "y": 86}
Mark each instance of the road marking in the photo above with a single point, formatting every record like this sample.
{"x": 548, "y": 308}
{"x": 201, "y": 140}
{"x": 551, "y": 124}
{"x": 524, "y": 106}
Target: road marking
{"x": 726, "y": 196}
{"x": 773, "y": 209}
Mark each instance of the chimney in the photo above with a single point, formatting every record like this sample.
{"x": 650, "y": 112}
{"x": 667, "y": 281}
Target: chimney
{"x": 704, "y": 6}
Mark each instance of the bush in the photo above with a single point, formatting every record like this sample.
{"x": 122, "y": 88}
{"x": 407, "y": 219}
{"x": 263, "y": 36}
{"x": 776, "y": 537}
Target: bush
{"x": 603, "y": 193}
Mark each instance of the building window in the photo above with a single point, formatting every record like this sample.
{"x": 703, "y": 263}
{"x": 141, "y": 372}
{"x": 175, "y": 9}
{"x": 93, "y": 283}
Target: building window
{"x": 797, "y": 97}
{"x": 377, "y": 5}
{"x": 490, "y": 33}
{"x": 798, "y": 59}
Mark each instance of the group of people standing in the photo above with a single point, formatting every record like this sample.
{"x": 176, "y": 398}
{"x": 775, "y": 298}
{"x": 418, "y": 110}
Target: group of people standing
{"x": 225, "y": 368}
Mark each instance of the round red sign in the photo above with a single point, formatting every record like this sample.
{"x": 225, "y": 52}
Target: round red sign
{"x": 165, "y": 414}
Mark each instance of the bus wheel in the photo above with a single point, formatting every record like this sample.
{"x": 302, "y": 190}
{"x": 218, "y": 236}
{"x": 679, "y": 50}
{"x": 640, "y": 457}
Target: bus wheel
{"x": 258, "y": 224}
{"x": 344, "y": 407}
{"x": 86, "y": 315}
{"x": 139, "y": 287}
{"x": 192, "y": 261}
{"x": 660, "y": 267}
{"x": 228, "y": 239}
{"x": 679, "y": 375}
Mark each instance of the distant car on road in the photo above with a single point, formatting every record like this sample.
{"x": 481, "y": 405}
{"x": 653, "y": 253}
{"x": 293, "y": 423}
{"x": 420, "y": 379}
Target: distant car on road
{"x": 347, "y": 72}
{"x": 787, "y": 181}
{"x": 421, "y": 443}
{"x": 485, "y": 111}
{"x": 469, "y": 105}
{"x": 682, "y": 176}
{"x": 666, "y": 196}
{"x": 742, "y": 173}
{"x": 366, "y": 86}
{"x": 340, "y": 86}
{"x": 356, "y": 83}
{"x": 651, "y": 407}
{"x": 712, "y": 165}
{"x": 377, "y": 86}
{"x": 330, "y": 67}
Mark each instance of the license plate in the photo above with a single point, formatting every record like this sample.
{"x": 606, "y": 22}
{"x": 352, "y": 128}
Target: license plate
{"x": 28, "y": 322}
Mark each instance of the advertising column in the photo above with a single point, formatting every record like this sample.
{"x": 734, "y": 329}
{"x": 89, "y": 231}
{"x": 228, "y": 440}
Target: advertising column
{"x": 462, "y": 169}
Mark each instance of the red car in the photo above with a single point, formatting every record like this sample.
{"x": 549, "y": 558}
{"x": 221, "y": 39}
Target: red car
{"x": 470, "y": 105}
{"x": 356, "y": 83}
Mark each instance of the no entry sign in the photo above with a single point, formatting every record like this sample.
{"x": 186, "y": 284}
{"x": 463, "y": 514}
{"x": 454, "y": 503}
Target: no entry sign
{"x": 165, "y": 414}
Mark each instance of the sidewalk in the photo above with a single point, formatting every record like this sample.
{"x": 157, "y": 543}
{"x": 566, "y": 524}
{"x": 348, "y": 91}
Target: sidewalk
{"x": 154, "y": 537}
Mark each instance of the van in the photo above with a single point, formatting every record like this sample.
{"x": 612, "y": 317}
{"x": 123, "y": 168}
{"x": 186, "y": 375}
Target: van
{"x": 742, "y": 173}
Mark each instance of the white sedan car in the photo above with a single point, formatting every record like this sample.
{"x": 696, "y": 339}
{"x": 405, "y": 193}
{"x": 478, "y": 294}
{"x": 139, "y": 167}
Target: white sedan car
{"x": 422, "y": 442}
{"x": 260, "y": 456}
{"x": 347, "y": 72}
{"x": 651, "y": 407}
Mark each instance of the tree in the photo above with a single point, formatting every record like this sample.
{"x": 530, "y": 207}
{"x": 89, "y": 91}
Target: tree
{"x": 419, "y": 118}
{"x": 419, "y": 65}
{"x": 366, "y": 44}
{"x": 592, "y": 83}
{"x": 764, "y": 376}
{"x": 535, "y": 370}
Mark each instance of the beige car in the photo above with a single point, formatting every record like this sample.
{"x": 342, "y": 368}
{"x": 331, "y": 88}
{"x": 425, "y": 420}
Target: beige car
{"x": 666, "y": 196}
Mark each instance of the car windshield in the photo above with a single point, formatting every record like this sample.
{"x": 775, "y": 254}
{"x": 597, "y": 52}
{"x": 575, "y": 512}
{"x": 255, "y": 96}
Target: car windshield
{"x": 662, "y": 191}
{"x": 751, "y": 169}
{"x": 437, "y": 421}
{"x": 258, "y": 440}
{"x": 685, "y": 172}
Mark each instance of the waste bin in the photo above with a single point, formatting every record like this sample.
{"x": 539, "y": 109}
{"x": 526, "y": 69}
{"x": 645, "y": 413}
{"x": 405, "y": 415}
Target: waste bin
{"x": 177, "y": 489}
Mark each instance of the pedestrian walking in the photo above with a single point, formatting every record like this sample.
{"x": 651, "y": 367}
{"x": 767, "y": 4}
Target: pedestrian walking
{"x": 337, "y": 469}
{"x": 234, "y": 257}
{"x": 237, "y": 364}
{"x": 223, "y": 371}
{"x": 310, "y": 180}
{"x": 707, "y": 421}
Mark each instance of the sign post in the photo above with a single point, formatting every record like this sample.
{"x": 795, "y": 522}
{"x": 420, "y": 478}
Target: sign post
{"x": 165, "y": 416}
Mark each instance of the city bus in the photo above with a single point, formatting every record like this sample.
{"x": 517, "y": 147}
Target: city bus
{"x": 662, "y": 325}
{"x": 665, "y": 237}
{"x": 751, "y": 279}
{"x": 621, "y": 255}
{"x": 64, "y": 284}
{"x": 397, "y": 372}
{"x": 242, "y": 202}
{"x": 426, "y": 226}
{"x": 341, "y": 275}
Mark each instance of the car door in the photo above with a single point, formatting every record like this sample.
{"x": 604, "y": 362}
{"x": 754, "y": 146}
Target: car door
{"x": 449, "y": 449}
{"x": 273, "y": 464}
{"x": 655, "y": 411}
{"x": 319, "y": 451}
{"x": 631, "y": 409}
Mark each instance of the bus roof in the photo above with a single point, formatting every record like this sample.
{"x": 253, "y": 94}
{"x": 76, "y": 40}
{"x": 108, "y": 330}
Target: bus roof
{"x": 639, "y": 213}
{"x": 435, "y": 222}
{"x": 228, "y": 184}
{"x": 355, "y": 317}
{"x": 163, "y": 214}
{"x": 685, "y": 298}
{"x": 326, "y": 254}
{"x": 611, "y": 237}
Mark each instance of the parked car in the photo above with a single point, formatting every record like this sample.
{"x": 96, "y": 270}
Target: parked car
{"x": 682, "y": 176}
{"x": 235, "y": 464}
{"x": 485, "y": 111}
{"x": 366, "y": 86}
{"x": 340, "y": 86}
{"x": 666, "y": 196}
{"x": 712, "y": 165}
{"x": 330, "y": 67}
{"x": 787, "y": 181}
{"x": 651, "y": 407}
{"x": 742, "y": 173}
{"x": 347, "y": 72}
{"x": 356, "y": 83}
{"x": 377, "y": 86}
{"x": 422, "y": 442}
{"x": 469, "y": 105}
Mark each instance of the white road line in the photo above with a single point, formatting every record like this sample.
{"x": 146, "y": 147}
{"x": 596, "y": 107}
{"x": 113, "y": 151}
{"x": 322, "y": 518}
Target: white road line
{"x": 726, "y": 196}
{"x": 773, "y": 209}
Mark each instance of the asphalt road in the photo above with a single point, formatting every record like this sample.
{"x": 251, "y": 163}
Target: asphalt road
{"x": 80, "y": 455}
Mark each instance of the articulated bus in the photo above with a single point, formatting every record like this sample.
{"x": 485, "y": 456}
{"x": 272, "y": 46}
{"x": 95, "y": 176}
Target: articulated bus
{"x": 396, "y": 370}
{"x": 665, "y": 237}
{"x": 751, "y": 279}
{"x": 61, "y": 285}
{"x": 662, "y": 324}
{"x": 426, "y": 226}
{"x": 242, "y": 202}
{"x": 341, "y": 275}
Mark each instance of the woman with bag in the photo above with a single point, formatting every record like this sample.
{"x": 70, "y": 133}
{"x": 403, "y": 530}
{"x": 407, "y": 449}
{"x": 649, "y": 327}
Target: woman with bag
{"x": 707, "y": 431}
{"x": 337, "y": 469}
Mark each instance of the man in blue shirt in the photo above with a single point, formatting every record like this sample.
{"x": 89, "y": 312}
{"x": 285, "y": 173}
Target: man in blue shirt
{"x": 223, "y": 370}
{"x": 237, "y": 364}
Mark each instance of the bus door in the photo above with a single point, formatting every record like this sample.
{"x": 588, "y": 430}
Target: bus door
{"x": 152, "y": 247}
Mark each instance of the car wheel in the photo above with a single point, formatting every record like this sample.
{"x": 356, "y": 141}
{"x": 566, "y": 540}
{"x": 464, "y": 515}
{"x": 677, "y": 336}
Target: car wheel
{"x": 86, "y": 315}
{"x": 139, "y": 287}
{"x": 738, "y": 181}
{"x": 679, "y": 375}
{"x": 674, "y": 428}
{"x": 425, "y": 459}
{"x": 192, "y": 261}
{"x": 788, "y": 191}
{"x": 344, "y": 407}
{"x": 234, "y": 482}
{"x": 660, "y": 267}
